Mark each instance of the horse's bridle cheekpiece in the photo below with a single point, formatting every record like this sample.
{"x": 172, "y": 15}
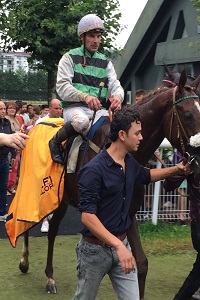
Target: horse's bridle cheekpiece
{"x": 180, "y": 127}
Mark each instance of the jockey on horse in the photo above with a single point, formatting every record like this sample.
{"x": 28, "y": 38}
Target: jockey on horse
{"x": 84, "y": 78}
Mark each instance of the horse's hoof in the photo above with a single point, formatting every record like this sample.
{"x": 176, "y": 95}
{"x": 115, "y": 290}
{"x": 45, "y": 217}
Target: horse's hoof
{"x": 23, "y": 268}
{"x": 51, "y": 286}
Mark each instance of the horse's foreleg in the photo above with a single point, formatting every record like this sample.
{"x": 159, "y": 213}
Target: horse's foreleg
{"x": 53, "y": 230}
{"x": 139, "y": 255}
{"x": 24, "y": 263}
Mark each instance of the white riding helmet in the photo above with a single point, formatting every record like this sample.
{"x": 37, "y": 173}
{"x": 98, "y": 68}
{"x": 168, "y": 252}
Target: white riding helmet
{"x": 90, "y": 22}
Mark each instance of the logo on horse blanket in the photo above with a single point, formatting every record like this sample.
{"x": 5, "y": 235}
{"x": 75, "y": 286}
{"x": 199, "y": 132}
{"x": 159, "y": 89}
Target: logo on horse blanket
{"x": 47, "y": 184}
{"x": 39, "y": 189}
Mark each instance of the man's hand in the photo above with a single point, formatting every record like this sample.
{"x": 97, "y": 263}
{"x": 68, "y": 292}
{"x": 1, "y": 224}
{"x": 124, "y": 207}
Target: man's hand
{"x": 93, "y": 102}
{"x": 125, "y": 257}
{"x": 14, "y": 140}
{"x": 184, "y": 168}
{"x": 115, "y": 103}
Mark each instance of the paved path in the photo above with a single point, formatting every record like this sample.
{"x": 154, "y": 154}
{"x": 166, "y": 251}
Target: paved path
{"x": 70, "y": 224}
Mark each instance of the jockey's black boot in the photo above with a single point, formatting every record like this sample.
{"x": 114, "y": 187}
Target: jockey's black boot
{"x": 55, "y": 143}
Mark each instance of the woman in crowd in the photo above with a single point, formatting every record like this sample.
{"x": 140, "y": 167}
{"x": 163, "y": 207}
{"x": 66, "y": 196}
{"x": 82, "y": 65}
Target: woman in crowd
{"x": 11, "y": 109}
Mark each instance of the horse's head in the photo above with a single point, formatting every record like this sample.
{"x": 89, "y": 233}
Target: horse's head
{"x": 173, "y": 113}
{"x": 192, "y": 155}
{"x": 183, "y": 115}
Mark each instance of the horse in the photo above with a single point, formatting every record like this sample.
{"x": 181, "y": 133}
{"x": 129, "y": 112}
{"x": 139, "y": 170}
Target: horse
{"x": 171, "y": 113}
{"x": 172, "y": 77}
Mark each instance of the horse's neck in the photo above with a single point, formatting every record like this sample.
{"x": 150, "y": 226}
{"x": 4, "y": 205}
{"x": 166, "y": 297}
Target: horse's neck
{"x": 101, "y": 135}
{"x": 152, "y": 114}
{"x": 148, "y": 147}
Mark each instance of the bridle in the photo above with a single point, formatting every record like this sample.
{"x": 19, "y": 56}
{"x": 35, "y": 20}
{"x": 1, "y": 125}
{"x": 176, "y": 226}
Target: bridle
{"x": 188, "y": 158}
{"x": 181, "y": 133}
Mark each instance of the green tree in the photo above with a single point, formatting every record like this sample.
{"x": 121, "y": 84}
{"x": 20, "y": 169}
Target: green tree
{"x": 197, "y": 5}
{"x": 48, "y": 28}
{"x": 21, "y": 85}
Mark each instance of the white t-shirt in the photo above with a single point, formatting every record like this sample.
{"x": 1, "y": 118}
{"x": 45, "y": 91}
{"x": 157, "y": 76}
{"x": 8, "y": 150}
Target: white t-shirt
{"x": 26, "y": 118}
{"x": 42, "y": 119}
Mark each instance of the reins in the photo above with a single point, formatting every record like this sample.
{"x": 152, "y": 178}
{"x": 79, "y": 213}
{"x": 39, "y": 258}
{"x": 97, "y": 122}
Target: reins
{"x": 160, "y": 159}
{"x": 89, "y": 143}
{"x": 87, "y": 140}
{"x": 110, "y": 112}
{"x": 180, "y": 128}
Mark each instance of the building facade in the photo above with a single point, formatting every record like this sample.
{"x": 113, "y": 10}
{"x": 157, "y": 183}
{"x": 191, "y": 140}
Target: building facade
{"x": 12, "y": 61}
{"x": 166, "y": 34}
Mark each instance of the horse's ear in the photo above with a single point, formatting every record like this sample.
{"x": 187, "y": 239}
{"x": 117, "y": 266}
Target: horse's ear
{"x": 195, "y": 83}
{"x": 182, "y": 80}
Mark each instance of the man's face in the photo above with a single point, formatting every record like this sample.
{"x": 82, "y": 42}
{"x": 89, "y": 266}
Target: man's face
{"x": 45, "y": 112}
{"x": 92, "y": 41}
{"x": 133, "y": 137}
{"x": 30, "y": 110}
{"x": 139, "y": 98}
{"x": 55, "y": 111}
{"x": 2, "y": 110}
{"x": 24, "y": 108}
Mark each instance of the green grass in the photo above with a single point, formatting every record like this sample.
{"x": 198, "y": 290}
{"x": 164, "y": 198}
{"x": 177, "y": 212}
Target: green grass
{"x": 165, "y": 238}
{"x": 168, "y": 248}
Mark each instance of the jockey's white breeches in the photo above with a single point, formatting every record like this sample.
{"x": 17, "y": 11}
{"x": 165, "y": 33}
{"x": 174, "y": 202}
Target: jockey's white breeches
{"x": 79, "y": 117}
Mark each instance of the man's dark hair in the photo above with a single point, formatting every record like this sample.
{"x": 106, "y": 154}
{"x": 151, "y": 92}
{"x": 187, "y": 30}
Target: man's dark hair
{"x": 36, "y": 109}
{"x": 43, "y": 106}
{"x": 140, "y": 92}
{"x": 19, "y": 103}
{"x": 122, "y": 120}
{"x": 24, "y": 103}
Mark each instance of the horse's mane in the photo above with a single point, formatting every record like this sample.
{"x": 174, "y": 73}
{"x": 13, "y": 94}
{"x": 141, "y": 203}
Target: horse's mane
{"x": 150, "y": 94}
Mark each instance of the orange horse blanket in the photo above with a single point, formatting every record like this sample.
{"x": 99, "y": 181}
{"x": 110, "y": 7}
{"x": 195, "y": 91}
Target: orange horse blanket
{"x": 38, "y": 191}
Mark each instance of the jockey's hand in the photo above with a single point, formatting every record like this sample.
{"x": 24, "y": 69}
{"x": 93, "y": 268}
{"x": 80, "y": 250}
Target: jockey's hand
{"x": 93, "y": 102}
{"x": 116, "y": 103}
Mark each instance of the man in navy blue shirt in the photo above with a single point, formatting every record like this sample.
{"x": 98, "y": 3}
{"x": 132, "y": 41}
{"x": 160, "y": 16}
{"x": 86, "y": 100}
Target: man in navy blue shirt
{"x": 106, "y": 185}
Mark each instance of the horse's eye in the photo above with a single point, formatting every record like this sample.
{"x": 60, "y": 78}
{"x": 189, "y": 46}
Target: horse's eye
{"x": 189, "y": 118}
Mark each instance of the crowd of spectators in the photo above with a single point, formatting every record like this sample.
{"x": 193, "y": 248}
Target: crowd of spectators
{"x": 19, "y": 116}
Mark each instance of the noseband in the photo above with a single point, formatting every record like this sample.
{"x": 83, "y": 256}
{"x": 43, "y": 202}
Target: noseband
{"x": 189, "y": 158}
{"x": 181, "y": 133}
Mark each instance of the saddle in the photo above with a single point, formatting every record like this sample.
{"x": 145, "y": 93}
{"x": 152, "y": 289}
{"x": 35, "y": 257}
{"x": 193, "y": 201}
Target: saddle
{"x": 81, "y": 143}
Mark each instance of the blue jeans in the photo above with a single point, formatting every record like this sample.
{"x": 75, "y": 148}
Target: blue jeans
{"x": 93, "y": 263}
{"x": 4, "y": 173}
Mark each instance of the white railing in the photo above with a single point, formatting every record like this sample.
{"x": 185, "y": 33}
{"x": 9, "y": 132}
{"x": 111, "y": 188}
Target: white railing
{"x": 159, "y": 205}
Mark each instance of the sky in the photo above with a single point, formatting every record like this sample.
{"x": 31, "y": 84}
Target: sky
{"x": 131, "y": 11}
